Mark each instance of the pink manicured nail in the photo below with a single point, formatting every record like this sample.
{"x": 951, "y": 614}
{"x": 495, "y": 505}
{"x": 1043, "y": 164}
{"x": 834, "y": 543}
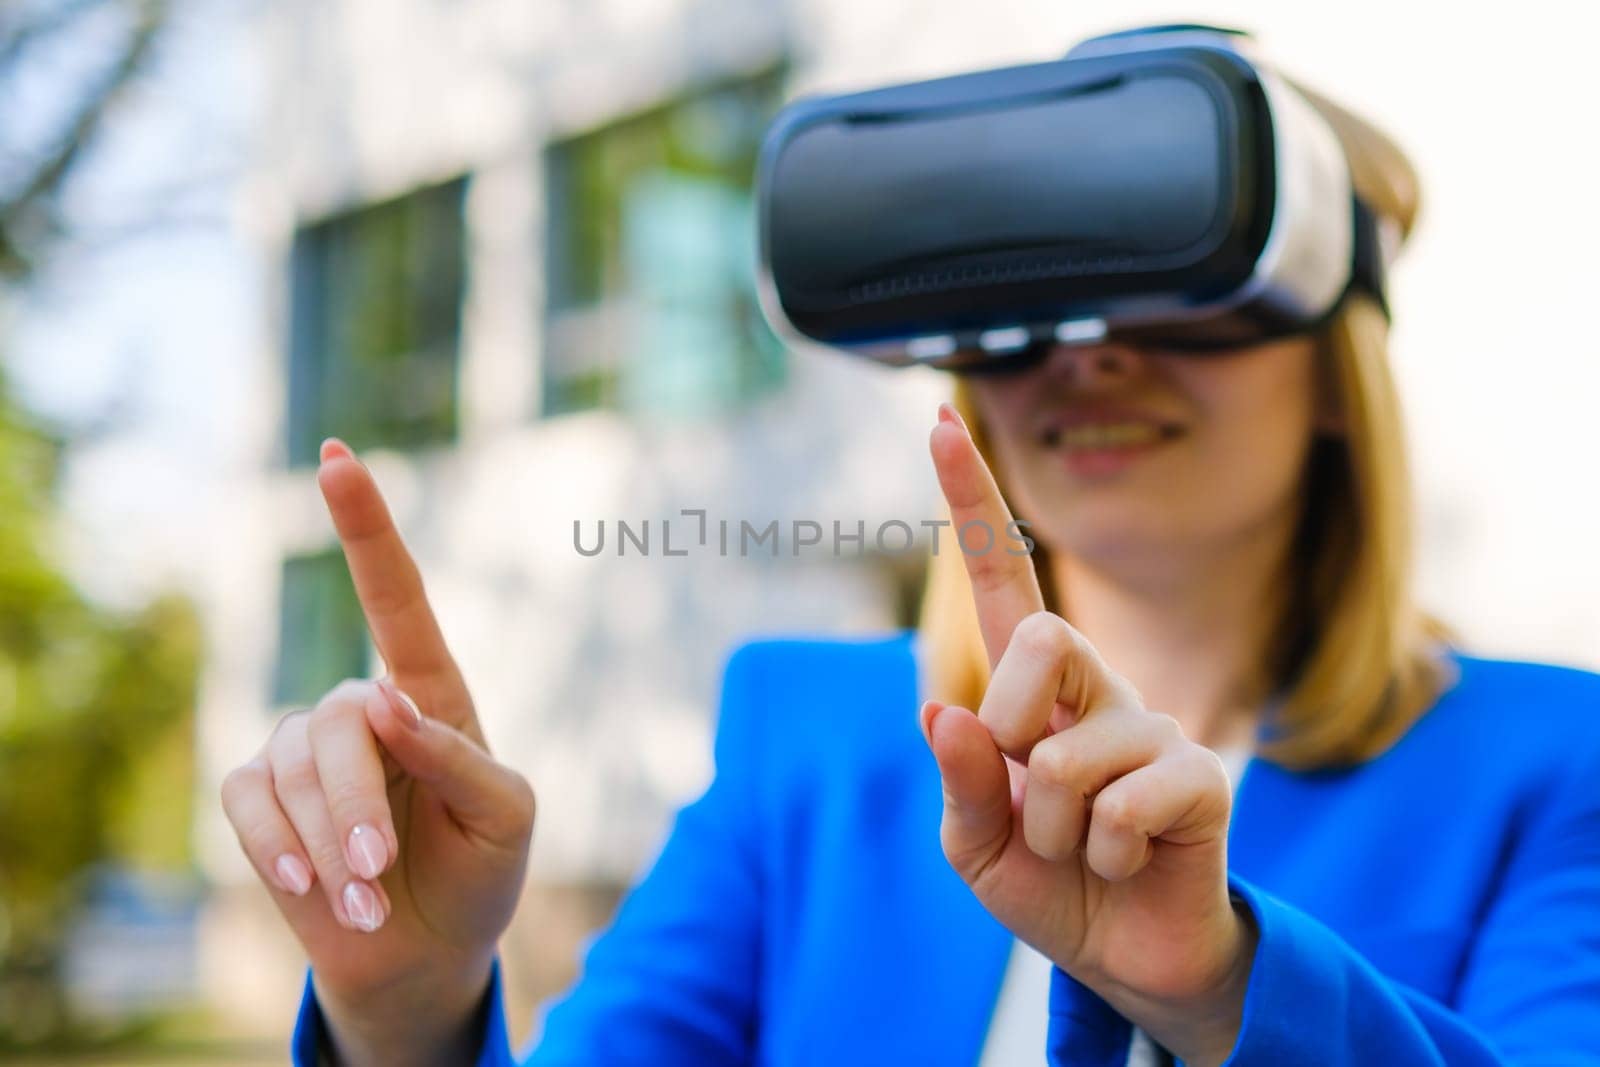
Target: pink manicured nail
{"x": 404, "y": 708}
{"x": 948, "y": 413}
{"x": 368, "y": 851}
{"x": 333, "y": 447}
{"x": 293, "y": 875}
{"x": 930, "y": 708}
{"x": 361, "y": 905}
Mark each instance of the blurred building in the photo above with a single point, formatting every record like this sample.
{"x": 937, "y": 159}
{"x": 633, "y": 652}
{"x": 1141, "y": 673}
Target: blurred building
{"x": 513, "y": 253}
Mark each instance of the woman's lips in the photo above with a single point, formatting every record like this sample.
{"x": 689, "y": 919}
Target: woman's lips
{"x": 1097, "y": 448}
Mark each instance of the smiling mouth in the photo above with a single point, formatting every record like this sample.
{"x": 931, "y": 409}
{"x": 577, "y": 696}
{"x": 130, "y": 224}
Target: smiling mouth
{"x": 1107, "y": 436}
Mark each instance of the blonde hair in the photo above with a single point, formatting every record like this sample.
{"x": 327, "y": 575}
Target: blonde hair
{"x": 1354, "y": 662}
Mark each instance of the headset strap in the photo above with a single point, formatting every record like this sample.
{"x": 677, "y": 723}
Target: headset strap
{"x": 1368, "y": 271}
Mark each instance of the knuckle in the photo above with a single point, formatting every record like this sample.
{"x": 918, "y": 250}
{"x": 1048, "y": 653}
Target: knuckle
{"x": 987, "y": 570}
{"x": 1166, "y": 729}
{"x": 348, "y": 688}
{"x": 258, "y": 840}
{"x": 1117, "y": 812}
{"x": 1057, "y": 764}
{"x": 294, "y": 772}
{"x": 348, "y": 798}
{"x": 1012, "y": 739}
{"x": 240, "y": 782}
{"x": 524, "y": 805}
{"x": 338, "y": 703}
{"x": 1123, "y": 690}
{"x": 1043, "y": 636}
{"x": 393, "y": 599}
{"x": 1211, "y": 769}
{"x": 291, "y": 724}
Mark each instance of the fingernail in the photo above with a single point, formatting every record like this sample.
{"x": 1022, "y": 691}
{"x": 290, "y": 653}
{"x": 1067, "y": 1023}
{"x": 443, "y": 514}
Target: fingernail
{"x": 930, "y": 708}
{"x": 948, "y": 413}
{"x": 361, "y": 904}
{"x": 404, "y": 708}
{"x": 293, "y": 875}
{"x": 332, "y": 448}
{"x": 368, "y": 852}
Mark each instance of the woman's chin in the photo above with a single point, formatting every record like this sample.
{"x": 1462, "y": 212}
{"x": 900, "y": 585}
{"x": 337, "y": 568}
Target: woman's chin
{"x": 1114, "y": 539}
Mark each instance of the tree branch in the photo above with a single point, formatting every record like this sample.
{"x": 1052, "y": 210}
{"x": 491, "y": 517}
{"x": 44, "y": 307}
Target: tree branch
{"x": 46, "y": 181}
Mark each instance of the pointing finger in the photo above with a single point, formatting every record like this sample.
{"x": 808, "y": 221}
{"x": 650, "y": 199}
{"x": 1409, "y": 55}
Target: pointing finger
{"x": 1004, "y": 585}
{"x": 389, "y": 586}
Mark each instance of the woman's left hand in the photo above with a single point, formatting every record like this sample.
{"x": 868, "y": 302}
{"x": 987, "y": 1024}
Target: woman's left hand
{"x": 1086, "y": 823}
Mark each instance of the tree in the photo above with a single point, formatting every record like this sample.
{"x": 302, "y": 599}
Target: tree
{"x": 87, "y": 700}
{"x": 96, "y": 707}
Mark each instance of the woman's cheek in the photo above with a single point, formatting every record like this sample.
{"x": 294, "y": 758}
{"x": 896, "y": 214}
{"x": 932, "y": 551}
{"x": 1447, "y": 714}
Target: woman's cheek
{"x": 1255, "y": 467}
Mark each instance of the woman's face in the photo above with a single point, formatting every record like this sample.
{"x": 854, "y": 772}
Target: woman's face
{"x": 1115, "y": 453}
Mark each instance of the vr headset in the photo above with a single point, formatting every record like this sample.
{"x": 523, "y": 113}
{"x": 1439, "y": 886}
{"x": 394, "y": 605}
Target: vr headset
{"x": 1157, "y": 187}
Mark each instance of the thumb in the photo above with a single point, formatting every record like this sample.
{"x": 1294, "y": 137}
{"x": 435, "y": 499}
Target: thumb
{"x": 487, "y": 798}
{"x": 977, "y": 787}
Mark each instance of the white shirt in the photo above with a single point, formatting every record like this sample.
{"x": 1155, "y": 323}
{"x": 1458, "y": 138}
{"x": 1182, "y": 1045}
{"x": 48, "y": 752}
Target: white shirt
{"x": 1018, "y": 1027}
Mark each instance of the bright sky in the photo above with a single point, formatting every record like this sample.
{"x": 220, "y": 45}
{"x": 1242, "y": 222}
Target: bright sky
{"x": 142, "y": 332}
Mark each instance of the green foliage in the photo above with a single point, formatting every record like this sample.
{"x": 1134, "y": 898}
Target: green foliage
{"x": 96, "y": 709}
{"x": 96, "y": 716}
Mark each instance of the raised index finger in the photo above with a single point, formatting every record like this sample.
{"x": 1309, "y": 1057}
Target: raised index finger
{"x": 1004, "y": 585}
{"x": 387, "y": 581}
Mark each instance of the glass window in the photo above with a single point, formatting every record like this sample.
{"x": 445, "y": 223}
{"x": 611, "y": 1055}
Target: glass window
{"x": 650, "y": 259}
{"x": 375, "y": 325}
{"x": 322, "y": 635}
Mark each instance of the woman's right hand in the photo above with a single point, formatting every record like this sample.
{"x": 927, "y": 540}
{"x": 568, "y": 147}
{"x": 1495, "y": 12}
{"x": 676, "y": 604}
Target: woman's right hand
{"x": 391, "y": 840}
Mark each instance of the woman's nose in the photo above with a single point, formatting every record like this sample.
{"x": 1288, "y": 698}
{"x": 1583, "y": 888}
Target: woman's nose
{"x": 1088, "y": 365}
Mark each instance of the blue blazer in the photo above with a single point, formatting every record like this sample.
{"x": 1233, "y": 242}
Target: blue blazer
{"x": 1439, "y": 905}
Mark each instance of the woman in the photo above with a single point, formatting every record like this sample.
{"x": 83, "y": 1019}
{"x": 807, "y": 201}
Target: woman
{"x": 1409, "y": 874}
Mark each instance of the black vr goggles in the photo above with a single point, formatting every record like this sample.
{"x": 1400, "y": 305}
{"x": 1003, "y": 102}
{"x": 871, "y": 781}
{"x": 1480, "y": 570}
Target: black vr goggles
{"x": 1156, "y": 186}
